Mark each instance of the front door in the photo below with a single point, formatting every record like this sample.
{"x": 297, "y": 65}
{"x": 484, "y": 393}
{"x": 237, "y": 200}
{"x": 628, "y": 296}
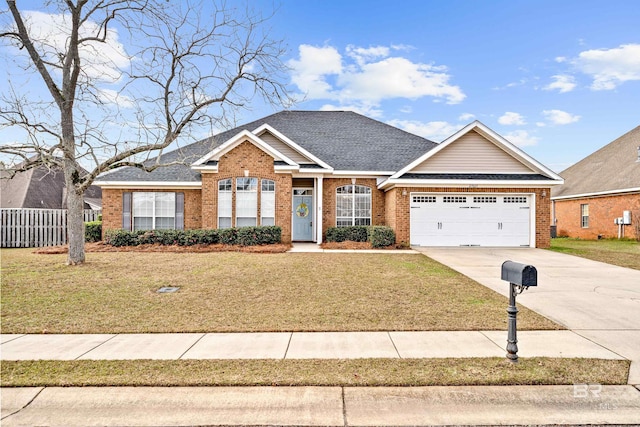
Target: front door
{"x": 302, "y": 215}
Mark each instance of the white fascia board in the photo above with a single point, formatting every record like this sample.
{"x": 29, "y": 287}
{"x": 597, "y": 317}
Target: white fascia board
{"x": 289, "y": 142}
{"x": 287, "y": 168}
{"x": 315, "y": 170}
{"x": 599, "y": 193}
{"x": 149, "y": 184}
{"x": 390, "y": 183}
{"x": 205, "y": 168}
{"x": 234, "y": 141}
{"x": 360, "y": 173}
{"x": 490, "y": 135}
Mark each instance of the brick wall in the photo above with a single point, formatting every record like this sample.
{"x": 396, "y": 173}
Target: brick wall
{"x": 247, "y": 157}
{"x": 112, "y": 207}
{"x": 602, "y": 212}
{"x": 400, "y": 213}
{"x": 329, "y": 187}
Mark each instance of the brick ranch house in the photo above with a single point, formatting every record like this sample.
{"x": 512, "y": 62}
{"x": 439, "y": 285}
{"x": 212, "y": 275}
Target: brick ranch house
{"x": 598, "y": 189}
{"x": 306, "y": 171}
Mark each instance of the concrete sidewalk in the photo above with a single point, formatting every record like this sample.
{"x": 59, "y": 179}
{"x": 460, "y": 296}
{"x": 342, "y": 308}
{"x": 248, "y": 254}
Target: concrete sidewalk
{"x": 327, "y": 406}
{"x": 297, "y": 345}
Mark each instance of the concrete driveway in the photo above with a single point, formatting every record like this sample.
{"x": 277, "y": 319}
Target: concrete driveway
{"x": 599, "y": 301}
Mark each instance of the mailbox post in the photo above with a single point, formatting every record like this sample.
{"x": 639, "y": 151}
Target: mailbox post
{"x": 520, "y": 277}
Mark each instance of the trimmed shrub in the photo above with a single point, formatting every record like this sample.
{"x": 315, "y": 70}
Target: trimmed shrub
{"x": 357, "y": 233}
{"x": 121, "y": 238}
{"x": 251, "y": 236}
{"x": 381, "y": 236}
{"x": 93, "y": 231}
{"x": 247, "y": 236}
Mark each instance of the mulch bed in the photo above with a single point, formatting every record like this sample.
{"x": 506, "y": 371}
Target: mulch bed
{"x": 356, "y": 245}
{"x": 101, "y": 247}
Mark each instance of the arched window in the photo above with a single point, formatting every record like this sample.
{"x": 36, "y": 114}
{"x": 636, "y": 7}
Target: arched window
{"x": 353, "y": 205}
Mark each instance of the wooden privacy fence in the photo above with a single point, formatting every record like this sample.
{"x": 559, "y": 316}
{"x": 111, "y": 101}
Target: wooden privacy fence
{"x": 28, "y": 228}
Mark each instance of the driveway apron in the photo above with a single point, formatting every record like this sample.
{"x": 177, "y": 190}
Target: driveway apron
{"x": 598, "y": 301}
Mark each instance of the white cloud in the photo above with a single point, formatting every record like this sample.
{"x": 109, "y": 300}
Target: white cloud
{"x": 465, "y": 117}
{"x": 101, "y": 61}
{"x": 109, "y": 96}
{"x": 364, "y": 77}
{"x": 560, "y": 59}
{"x": 562, "y": 82}
{"x": 511, "y": 119}
{"x": 521, "y": 138}
{"x": 559, "y": 117}
{"x": 609, "y": 68}
{"x": 541, "y": 124}
{"x": 436, "y": 131}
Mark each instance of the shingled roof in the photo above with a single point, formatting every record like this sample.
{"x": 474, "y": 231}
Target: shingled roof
{"x": 614, "y": 167}
{"x": 344, "y": 140}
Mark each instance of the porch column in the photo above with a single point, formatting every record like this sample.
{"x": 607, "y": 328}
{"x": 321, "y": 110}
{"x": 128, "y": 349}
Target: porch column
{"x": 318, "y": 218}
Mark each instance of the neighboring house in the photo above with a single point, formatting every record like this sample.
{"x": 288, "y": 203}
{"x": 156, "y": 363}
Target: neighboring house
{"x": 306, "y": 171}
{"x": 598, "y": 189}
{"x": 41, "y": 187}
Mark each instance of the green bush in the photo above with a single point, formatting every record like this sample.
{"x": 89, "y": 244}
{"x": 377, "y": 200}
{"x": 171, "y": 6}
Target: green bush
{"x": 379, "y": 236}
{"x": 246, "y": 236}
{"x": 356, "y": 233}
{"x": 251, "y": 236}
{"x": 93, "y": 231}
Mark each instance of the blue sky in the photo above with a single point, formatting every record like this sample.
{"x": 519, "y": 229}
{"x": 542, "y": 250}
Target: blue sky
{"x": 558, "y": 78}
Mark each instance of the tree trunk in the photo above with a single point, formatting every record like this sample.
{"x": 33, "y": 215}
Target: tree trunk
{"x": 75, "y": 226}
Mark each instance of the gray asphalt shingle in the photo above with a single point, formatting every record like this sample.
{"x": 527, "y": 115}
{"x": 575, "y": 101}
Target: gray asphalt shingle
{"x": 345, "y": 140}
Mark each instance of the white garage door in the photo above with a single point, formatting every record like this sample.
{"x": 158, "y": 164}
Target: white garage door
{"x": 470, "y": 219}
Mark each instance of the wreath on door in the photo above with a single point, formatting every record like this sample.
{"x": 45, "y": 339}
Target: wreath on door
{"x": 302, "y": 210}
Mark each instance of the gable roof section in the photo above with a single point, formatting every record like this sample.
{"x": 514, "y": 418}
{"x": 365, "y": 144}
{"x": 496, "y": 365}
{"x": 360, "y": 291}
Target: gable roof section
{"x": 342, "y": 140}
{"x": 612, "y": 169}
{"x": 475, "y": 153}
{"x": 244, "y": 136}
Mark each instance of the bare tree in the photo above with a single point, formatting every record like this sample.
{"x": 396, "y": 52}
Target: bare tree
{"x": 189, "y": 67}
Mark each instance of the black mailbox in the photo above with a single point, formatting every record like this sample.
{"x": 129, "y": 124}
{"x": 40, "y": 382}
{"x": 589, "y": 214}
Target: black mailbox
{"x": 519, "y": 274}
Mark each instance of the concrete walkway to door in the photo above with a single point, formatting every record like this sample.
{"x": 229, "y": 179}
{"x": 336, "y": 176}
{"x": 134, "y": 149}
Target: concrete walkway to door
{"x": 598, "y": 301}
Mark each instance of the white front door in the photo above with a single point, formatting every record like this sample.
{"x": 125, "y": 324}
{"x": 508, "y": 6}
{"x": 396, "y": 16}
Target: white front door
{"x": 470, "y": 219}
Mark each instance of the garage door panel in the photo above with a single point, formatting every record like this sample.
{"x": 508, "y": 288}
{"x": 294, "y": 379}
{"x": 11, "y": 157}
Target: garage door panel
{"x": 470, "y": 220}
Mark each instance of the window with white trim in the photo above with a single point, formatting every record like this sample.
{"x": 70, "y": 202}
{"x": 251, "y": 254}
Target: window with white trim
{"x": 154, "y": 211}
{"x": 584, "y": 216}
{"x": 353, "y": 205}
{"x": 225, "y": 200}
{"x": 246, "y": 202}
{"x": 268, "y": 202}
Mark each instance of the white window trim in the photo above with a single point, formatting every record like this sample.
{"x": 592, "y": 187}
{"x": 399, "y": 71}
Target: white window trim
{"x": 153, "y": 209}
{"x": 353, "y": 204}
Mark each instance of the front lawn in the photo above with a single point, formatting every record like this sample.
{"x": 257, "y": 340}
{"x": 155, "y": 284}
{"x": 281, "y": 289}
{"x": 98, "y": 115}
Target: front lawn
{"x": 624, "y": 253}
{"x": 245, "y": 292}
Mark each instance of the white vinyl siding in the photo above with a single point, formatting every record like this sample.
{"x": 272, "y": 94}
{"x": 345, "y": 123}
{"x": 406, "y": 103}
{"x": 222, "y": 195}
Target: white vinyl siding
{"x": 353, "y": 205}
{"x": 268, "y": 202}
{"x": 472, "y": 153}
{"x": 246, "y": 202}
{"x": 283, "y": 148}
{"x": 224, "y": 203}
{"x": 154, "y": 211}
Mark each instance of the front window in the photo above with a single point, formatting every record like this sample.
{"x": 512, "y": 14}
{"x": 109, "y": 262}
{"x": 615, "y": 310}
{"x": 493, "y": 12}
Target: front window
{"x": 246, "y": 202}
{"x": 268, "y": 202}
{"x": 154, "y": 211}
{"x": 224, "y": 203}
{"x": 584, "y": 215}
{"x": 353, "y": 205}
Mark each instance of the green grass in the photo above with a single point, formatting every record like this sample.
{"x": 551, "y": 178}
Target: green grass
{"x": 242, "y": 292}
{"x": 624, "y": 253}
{"x": 355, "y": 372}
